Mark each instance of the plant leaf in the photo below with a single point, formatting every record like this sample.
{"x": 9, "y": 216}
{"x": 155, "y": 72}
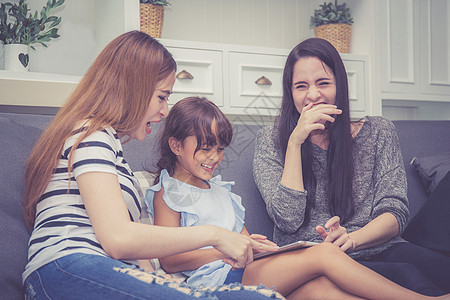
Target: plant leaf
{"x": 18, "y": 25}
{"x": 331, "y": 12}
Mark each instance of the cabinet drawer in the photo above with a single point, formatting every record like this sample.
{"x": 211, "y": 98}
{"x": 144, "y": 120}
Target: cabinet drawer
{"x": 205, "y": 67}
{"x": 356, "y": 86}
{"x": 245, "y": 70}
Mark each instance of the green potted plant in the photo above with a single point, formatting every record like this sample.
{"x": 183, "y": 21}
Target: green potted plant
{"x": 20, "y": 29}
{"x": 152, "y": 16}
{"x": 333, "y": 22}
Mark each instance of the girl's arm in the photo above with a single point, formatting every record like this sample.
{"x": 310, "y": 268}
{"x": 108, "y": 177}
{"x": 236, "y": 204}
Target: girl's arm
{"x": 123, "y": 239}
{"x": 165, "y": 216}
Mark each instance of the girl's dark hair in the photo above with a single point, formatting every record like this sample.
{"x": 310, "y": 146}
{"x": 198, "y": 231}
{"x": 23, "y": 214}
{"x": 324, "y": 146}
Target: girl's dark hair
{"x": 340, "y": 159}
{"x": 192, "y": 116}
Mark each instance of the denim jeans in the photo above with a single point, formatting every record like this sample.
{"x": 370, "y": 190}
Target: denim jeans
{"x": 417, "y": 268}
{"x": 84, "y": 276}
{"x": 234, "y": 276}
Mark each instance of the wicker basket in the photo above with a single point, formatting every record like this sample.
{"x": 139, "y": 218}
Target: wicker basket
{"x": 152, "y": 19}
{"x": 337, "y": 34}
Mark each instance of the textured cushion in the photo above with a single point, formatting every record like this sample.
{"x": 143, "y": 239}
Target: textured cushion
{"x": 16, "y": 143}
{"x": 145, "y": 180}
{"x": 420, "y": 138}
{"x": 432, "y": 169}
{"x": 430, "y": 228}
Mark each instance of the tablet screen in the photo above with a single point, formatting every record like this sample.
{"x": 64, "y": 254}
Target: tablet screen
{"x": 288, "y": 247}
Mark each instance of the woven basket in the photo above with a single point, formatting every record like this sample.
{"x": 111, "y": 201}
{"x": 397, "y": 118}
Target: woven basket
{"x": 152, "y": 19}
{"x": 337, "y": 34}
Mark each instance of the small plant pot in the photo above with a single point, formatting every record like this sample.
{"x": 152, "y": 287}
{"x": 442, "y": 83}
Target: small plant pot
{"x": 151, "y": 17}
{"x": 16, "y": 57}
{"x": 338, "y": 35}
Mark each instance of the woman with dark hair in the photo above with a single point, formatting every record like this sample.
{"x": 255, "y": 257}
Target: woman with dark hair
{"x": 83, "y": 201}
{"x": 347, "y": 176}
{"x": 193, "y": 142}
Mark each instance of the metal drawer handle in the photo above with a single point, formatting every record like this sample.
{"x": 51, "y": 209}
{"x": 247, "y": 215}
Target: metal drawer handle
{"x": 184, "y": 75}
{"x": 263, "y": 81}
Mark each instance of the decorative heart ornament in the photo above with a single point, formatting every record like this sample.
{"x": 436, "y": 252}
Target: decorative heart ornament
{"x": 24, "y": 59}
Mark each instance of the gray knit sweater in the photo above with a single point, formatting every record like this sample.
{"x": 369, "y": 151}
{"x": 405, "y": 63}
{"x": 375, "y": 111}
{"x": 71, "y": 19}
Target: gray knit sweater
{"x": 379, "y": 185}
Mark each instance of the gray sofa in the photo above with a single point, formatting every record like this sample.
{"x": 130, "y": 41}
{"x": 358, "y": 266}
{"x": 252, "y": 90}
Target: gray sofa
{"x": 18, "y": 132}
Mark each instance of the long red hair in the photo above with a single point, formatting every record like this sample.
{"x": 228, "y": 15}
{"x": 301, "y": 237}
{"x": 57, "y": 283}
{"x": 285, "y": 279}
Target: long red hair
{"x": 115, "y": 91}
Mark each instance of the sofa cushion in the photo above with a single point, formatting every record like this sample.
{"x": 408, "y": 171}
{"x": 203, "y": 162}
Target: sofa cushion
{"x": 430, "y": 228}
{"x": 432, "y": 169}
{"x": 16, "y": 143}
{"x": 420, "y": 138}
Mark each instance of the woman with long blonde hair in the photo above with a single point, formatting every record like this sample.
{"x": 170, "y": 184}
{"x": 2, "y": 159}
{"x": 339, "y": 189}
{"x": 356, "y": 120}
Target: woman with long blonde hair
{"x": 82, "y": 199}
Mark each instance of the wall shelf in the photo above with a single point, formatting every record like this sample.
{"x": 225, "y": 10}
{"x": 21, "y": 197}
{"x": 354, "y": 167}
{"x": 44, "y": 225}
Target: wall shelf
{"x": 35, "y": 89}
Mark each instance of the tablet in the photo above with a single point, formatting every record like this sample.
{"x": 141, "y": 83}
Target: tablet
{"x": 285, "y": 248}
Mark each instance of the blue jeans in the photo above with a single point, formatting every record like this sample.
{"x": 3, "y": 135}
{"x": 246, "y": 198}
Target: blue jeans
{"x": 417, "y": 268}
{"x": 83, "y": 276}
{"x": 234, "y": 276}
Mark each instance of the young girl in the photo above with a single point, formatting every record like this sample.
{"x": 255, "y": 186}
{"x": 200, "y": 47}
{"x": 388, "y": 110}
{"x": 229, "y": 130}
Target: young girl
{"x": 194, "y": 137}
{"x": 83, "y": 199}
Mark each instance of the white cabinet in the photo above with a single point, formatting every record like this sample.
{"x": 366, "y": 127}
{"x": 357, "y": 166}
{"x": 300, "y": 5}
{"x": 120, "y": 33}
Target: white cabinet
{"x": 358, "y": 90}
{"x": 248, "y": 80}
{"x": 256, "y": 81}
{"x": 227, "y": 75}
{"x": 199, "y": 72}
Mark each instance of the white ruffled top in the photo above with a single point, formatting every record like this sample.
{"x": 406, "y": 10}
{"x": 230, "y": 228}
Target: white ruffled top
{"x": 214, "y": 206}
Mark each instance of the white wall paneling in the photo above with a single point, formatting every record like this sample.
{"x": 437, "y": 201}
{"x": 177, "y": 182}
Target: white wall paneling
{"x": 357, "y": 74}
{"x": 112, "y": 18}
{"x": 413, "y": 60}
{"x": 436, "y": 46}
{"x": 400, "y": 67}
{"x": 415, "y": 110}
{"x": 400, "y": 111}
{"x": 266, "y": 23}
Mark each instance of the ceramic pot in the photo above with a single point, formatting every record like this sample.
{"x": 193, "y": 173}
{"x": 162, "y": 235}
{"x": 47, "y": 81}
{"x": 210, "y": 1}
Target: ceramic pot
{"x": 16, "y": 57}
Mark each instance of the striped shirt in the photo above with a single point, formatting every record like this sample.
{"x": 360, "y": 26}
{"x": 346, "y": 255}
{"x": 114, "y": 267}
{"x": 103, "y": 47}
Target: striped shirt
{"x": 62, "y": 226}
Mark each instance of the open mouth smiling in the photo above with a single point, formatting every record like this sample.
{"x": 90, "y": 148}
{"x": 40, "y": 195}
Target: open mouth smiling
{"x": 207, "y": 166}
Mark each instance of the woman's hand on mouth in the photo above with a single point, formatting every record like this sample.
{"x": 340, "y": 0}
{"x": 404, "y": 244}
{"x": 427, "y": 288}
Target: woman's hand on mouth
{"x": 313, "y": 117}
